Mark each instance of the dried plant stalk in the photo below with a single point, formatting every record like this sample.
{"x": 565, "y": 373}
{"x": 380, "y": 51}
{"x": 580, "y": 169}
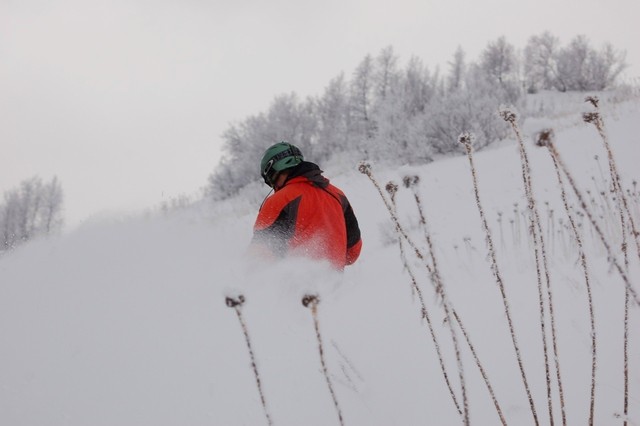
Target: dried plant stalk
{"x": 583, "y": 205}
{"x": 466, "y": 139}
{"x": 537, "y": 234}
{"x": 425, "y": 314}
{"x": 437, "y": 285}
{"x": 482, "y": 371}
{"x": 311, "y": 302}
{"x": 365, "y": 169}
{"x": 544, "y": 138}
{"x": 236, "y": 304}
{"x": 623, "y": 206}
{"x": 412, "y": 183}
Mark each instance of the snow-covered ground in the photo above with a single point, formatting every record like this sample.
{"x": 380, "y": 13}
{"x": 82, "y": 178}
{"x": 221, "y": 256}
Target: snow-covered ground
{"x": 125, "y": 323}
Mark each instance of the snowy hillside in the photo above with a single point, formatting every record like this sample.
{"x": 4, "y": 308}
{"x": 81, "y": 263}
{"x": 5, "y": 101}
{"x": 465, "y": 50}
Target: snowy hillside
{"x": 125, "y": 323}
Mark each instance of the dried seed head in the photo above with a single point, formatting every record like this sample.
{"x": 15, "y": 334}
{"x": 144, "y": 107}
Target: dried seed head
{"x": 545, "y": 137}
{"x": 232, "y": 303}
{"x": 593, "y": 100}
{"x": 508, "y": 115}
{"x": 466, "y": 138}
{"x": 391, "y": 188}
{"x": 364, "y": 168}
{"x": 310, "y": 299}
{"x": 410, "y": 181}
{"x": 591, "y": 117}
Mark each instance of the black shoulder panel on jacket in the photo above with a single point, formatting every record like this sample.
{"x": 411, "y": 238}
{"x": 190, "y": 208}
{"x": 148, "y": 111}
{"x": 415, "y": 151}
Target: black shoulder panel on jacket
{"x": 280, "y": 232}
{"x": 353, "y": 230}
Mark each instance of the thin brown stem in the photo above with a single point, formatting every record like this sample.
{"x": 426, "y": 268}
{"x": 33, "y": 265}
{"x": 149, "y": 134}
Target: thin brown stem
{"x": 427, "y": 317}
{"x": 466, "y": 141}
{"x": 611, "y": 255}
{"x": 311, "y": 302}
{"x": 236, "y": 304}
{"x": 583, "y": 260}
{"x": 540, "y": 255}
{"x": 623, "y": 206}
{"x": 365, "y": 169}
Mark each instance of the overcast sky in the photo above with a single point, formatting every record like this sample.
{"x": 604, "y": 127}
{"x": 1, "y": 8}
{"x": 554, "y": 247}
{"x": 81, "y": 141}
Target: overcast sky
{"x": 126, "y": 100}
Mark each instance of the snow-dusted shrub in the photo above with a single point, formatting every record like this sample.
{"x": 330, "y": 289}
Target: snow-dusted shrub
{"x": 31, "y": 210}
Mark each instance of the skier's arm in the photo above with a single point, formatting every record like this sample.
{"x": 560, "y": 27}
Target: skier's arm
{"x": 275, "y": 225}
{"x": 354, "y": 242}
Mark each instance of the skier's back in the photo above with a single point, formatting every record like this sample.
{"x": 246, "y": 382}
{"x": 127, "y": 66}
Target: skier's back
{"x": 306, "y": 215}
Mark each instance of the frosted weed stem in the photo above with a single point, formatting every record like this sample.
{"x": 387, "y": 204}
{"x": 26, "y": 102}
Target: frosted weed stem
{"x": 236, "y": 304}
{"x": 365, "y": 169}
{"x": 544, "y": 138}
{"x": 596, "y": 119}
{"x": 537, "y": 234}
{"x": 311, "y": 302}
{"x": 623, "y": 206}
{"x": 611, "y": 255}
{"x": 425, "y": 312}
{"x": 436, "y": 278}
{"x": 465, "y": 139}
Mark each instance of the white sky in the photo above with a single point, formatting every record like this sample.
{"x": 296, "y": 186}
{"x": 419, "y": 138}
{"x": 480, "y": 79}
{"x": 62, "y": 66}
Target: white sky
{"x": 125, "y": 100}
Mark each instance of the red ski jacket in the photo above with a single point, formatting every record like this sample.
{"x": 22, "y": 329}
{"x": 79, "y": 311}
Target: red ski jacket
{"x": 309, "y": 217}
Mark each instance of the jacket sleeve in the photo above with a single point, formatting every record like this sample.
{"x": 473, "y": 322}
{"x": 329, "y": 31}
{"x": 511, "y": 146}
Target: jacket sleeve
{"x": 353, "y": 252}
{"x": 354, "y": 241}
{"x": 275, "y": 225}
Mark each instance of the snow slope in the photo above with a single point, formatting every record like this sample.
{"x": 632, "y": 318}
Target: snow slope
{"x": 124, "y": 322}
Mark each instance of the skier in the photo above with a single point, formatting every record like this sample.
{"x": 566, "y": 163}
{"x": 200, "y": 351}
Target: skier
{"x": 306, "y": 215}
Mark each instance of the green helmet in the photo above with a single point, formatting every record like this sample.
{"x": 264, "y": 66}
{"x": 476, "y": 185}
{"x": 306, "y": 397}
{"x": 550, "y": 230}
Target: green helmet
{"x": 277, "y": 158}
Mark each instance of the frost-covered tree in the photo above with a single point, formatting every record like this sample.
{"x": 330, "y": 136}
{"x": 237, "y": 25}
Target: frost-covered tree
{"x": 361, "y": 100}
{"x": 386, "y": 73}
{"x": 484, "y": 103}
{"x": 400, "y": 137}
{"x": 9, "y": 217}
{"x": 291, "y": 120}
{"x": 418, "y": 87}
{"x": 389, "y": 114}
{"x": 540, "y": 62}
{"x": 472, "y": 109}
{"x": 33, "y": 209}
{"x": 384, "y": 111}
{"x": 237, "y": 166}
{"x": 575, "y": 67}
{"x": 457, "y": 71}
{"x": 581, "y": 67}
{"x": 606, "y": 66}
{"x": 333, "y": 118}
{"x": 499, "y": 61}
{"x": 573, "y": 63}
{"x": 52, "y": 199}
